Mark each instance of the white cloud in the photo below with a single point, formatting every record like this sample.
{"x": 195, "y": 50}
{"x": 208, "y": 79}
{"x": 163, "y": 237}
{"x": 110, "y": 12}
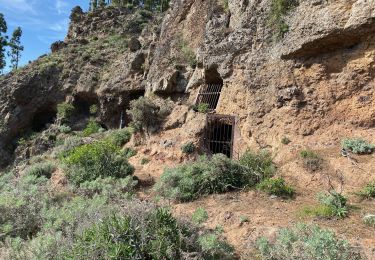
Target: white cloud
{"x": 60, "y": 26}
{"x": 61, "y": 7}
{"x": 19, "y": 6}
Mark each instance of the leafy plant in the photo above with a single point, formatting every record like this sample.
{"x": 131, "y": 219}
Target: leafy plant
{"x": 369, "y": 220}
{"x": 91, "y": 128}
{"x": 311, "y": 160}
{"x": 336, "y": 202}
{"x": 203, "y": 108}
{"x": 306, "y": 242}
{"x": 128, "y": 152}
{"x": 120, "y": 137}
{"x": 94, "y": 109}
{"x": 276, "y": 187}
{"x": 65, "y": 129}
{"x": 368, "y": 191}
{"x": 188, "y": 148}
{"x": 214, "y": 248}
{"x": 145, "y": 161}
{"x": 99, "y": 159}
{"x": 44, "y": 169}
{"x": 358, "y": 146}
{"x": 199, "y": 216}
{"x": 244, "y": 219}
{"x": 259, "y": 164}
{"x": 65, "y": 112}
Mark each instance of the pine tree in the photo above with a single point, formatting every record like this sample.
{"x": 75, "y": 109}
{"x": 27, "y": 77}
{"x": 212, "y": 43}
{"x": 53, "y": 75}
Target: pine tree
{"x": 102, "y": 3}
{"x": 94, "y": 4}
{"x": 3, "y": 42}
{"x": 15, "y": 48}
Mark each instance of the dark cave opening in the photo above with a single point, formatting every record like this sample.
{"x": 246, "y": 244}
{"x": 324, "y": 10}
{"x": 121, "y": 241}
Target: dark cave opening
{"x": 42, "y": 118}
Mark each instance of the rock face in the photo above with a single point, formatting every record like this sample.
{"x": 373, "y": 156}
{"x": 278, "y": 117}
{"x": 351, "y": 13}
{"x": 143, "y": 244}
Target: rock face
{"x": 319, "y": 77}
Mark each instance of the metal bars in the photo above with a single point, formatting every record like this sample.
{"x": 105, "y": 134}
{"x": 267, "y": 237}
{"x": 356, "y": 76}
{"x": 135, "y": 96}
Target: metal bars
{"x": 210, "y": 95}
{"x": 219, "y": 134}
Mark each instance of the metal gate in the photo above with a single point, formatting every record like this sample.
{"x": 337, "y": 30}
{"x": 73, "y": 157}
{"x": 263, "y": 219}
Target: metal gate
{"x": 210, "y": 95}
{"x": 219, "y": 134}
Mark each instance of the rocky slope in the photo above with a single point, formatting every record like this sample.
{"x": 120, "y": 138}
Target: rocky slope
{"x": 314, "y": 86}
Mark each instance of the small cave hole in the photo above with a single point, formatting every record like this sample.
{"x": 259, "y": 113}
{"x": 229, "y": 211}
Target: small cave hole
{"x": 42, "y": 118}
{"x": 219, "y": 134}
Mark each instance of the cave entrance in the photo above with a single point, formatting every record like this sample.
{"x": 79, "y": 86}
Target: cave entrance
{"x": 219, "y": 134}
{"x": 210, "y": 92}
{"x": 42, "y": 118}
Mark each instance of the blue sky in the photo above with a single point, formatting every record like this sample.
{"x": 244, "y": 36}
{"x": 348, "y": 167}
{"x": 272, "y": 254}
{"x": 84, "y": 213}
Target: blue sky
{"x": 42, "y": 21}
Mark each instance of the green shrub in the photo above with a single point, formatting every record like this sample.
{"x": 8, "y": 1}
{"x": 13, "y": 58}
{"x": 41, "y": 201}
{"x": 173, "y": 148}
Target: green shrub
{"x": 279, "y": 9}
{"x": 186, "y": 54}
{"x": 44, "y": 169}
{"x": 306, "y": 242}
{"x": 358, "y": 146}
{"x": 276, "y": 187}
{"x": 145, "y": 161}
{"x": 188, "y": 148}
{"x": 368, "y": 191}
{"x": 206, "y": 176}
{"x": 93, "y": 109}
{"x": 214, "y": 248}
{"x": 91, "y": 128}
{"x": 65, "y": 112}
{"x": 65, "y": 129}
{"x": 203, "y": 108}
{"x": 259, "y": 164}
{"x": 99, "y": 159}
{"x": 128, "y": 152}
{"x": 120, "y": 137}
{"x": 199, "y": 216}
{"x": 336, "y": 202}
{"x": 109, "y": 187}
{"x": 311, "y": 160}
{"x": 70, "y": 143}
{"x": 146, "y": 114}
{"x": 369, "y": 220}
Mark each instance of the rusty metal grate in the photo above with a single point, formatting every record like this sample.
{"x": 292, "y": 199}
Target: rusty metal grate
{"x": 210, "y": 95}
{"x": 219, "y": 134}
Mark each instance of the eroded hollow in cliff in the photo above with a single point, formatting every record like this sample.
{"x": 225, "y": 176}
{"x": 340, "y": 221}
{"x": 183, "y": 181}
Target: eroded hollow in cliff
{"x": 210, "y": 93}
{"x": 219, "y": 134}
{"x": 42, "y": 118}
{"x": 82, "y": 104}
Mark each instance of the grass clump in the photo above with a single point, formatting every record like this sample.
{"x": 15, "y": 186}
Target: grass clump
{"x": 306, "y": 242}
{"x": 145, "y": 161}
{"x": 358, "y": 146}
{"x": 44, "y": 169}
{"x": 336, "y": 202}
{"x": 276, "y": 187}
{"x": 279, "y": 9}
{"x": 214, "y": 175}
{"x": 368, "y": 191}
{"x": 311, "y": 160}
{"x": 199, "y": 216}
{"x": 91, "y": 128}
{"x": 65, "y": 112}
{"x": 99, "y": 159}
{"x": 369, "y": 220}
{"x": 188, "y": 148}
{"x": 214, "y": 248}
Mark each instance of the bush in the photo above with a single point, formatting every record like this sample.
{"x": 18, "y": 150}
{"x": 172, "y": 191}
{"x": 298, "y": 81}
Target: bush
{"x": 203, "y": 108}
{"x": 109, "y": 187}
{"x": 259, "y": 164}
{"x": 99, "y": 159}
{"x": 91, "y": 128}
{"x": 369, "y": 220}
{"x": 120, "y": 137}
{"x": 306, "y": 242}
{"x": 70, "y": 143}
{"x": 336, "y": 202}
{"x": 199, "y": 216}
{"x": 146, "y": 114}
{"x": 44, "y": 169}
{"x": 207, "y": 176}
{"x": 65, "y": 112}
{"x": 188, "y": 148}
{"x": 65, "y": 129}
{"x": 358, "y": 146}
{"x": 311, "y": 160}
{"x": 145, "y": 161}
{"x": 276, "y": 187}
{"x": 214, "y": 248}
{"x": 128, "y": 152}
{"x": 368, "y": 191}
{"x": 279, "y": 9}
